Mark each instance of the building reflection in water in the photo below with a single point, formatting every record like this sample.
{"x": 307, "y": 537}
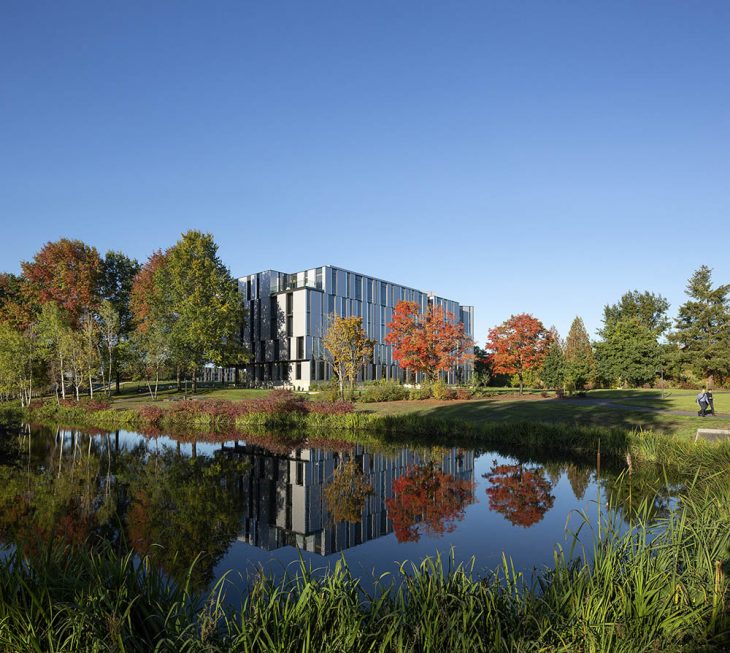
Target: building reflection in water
{"x": 286, "y": 503}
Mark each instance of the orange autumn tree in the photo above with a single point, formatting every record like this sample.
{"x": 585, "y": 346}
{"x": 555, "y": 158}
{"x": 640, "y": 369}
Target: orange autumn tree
{"x": 428, "y": 498}
{"x": 430, "y": 342}
{"x": 518, "y": 345}
{"x": 522, "y": 495}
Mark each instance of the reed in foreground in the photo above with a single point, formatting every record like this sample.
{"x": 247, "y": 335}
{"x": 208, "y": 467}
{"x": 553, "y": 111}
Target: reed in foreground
{"x": 659, "y": 588}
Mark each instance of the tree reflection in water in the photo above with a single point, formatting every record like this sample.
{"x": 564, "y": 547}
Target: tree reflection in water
{"x": 346, "y": 493}
{"x": 521, "y": 494}
{"x": 427, "y": 500}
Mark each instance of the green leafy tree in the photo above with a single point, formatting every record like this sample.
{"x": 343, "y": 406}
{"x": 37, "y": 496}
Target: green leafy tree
{"x": 646, "y": 307}
{"x": 115, "y": 313}
{"x": 17, "y": 305}
{"x": 702, "y": 328}
{"x": 580, "y": 364}
{"x": 482, "y": 367}
{"x": 629, "y": 353}
{"x": 115, "y": 285}
{"x": 206, "y": 306}
{"x": 19, "y": 362}
{"x": 552, "y": 372}
{"x": 54, "y": 334}
{"x": 109, "y": 336}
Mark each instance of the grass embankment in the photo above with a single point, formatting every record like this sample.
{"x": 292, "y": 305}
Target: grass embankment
{"x": 655, "y": 410}
{"x": 643, "y": 591}
{"x": 511, "y": 424}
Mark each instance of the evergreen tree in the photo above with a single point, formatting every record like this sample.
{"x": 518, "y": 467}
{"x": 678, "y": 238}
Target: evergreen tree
{"x": 702, "y": 331}
{"x": 580, "y": 364}
{"x": 552, "y": 373}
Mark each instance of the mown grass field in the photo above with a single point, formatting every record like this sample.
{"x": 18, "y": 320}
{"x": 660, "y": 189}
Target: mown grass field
{"x": 645, "y": 410}
{"x": 135, "y": 394}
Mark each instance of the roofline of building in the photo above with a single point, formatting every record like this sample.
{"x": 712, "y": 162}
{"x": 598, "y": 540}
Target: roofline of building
{"x": 363, "y": 274}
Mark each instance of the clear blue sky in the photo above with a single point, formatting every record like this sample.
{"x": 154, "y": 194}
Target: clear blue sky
{"x": 538, "y": 157}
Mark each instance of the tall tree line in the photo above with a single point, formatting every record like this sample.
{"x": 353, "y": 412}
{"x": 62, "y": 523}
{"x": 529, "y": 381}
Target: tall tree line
{"x": 637, "y": 343}
{"x": 75, "y": 322}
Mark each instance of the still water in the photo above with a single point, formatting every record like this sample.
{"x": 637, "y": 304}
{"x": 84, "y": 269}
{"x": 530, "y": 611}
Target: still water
{"x": 246, "y": 503}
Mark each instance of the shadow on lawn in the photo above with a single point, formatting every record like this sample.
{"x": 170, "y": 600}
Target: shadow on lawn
{"x": 581, "y": 411}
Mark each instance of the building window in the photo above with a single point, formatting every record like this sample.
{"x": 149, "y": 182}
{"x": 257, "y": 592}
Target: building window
{"x": 358, "y": 287}
{"x": 289, "y": 325}
{"x": 273, "y": 317}
{"x": 300, "y": 347}
{"x": 298, "y": 371}
{"x": 383, "y": 294}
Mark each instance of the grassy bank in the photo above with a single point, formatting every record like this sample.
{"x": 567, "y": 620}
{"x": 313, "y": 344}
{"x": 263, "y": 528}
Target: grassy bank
{"x": 455, "y": 424}
{"x": 642, "y": 592}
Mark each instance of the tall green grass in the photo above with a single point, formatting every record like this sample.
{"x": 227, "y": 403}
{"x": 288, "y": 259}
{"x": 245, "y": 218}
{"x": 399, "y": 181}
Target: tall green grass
{"x": 652, "y": 588}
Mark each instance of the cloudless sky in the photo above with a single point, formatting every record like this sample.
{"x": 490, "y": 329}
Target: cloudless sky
{"x": 540, "y": 157}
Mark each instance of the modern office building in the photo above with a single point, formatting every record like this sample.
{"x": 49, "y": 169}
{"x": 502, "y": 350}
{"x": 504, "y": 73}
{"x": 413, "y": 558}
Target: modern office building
{"x": 288, "y": 314}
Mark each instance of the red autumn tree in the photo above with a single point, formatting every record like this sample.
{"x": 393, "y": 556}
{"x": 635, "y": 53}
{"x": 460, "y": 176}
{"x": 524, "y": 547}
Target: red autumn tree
{"x": 521, "y": 495}
{"x": 427, "y": 497}
{"x": 518, "y": 345}
{"x": 66, "y": 273}
{"x": 430, "y": 342}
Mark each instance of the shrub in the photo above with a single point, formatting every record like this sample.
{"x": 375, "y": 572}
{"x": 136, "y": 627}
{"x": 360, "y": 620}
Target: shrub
{"x": 280, "y": 402}
{"x": 330, "y": 408}
{"x": 383, "y": 391}
{"x": 150, "y": 415}
{"x": 463, "y": 393}
{"x": 97, "y": 404}
{"x": 424, "y": 391}
{"x": 441, "y": 391}
{"x": 329, "y": 391}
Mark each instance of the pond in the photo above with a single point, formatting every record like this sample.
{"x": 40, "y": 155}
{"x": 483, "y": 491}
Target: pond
{"x": 246, "y": 503}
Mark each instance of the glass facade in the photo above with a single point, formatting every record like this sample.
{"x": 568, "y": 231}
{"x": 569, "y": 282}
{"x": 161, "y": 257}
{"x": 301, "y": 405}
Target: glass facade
{"x": 288, "y": 315}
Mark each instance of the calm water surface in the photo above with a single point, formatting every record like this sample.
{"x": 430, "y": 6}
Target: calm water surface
{"x": 253, "y": 503}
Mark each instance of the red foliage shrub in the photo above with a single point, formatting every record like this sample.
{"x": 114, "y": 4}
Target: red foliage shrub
{"x": 97, "y": 404}
{"x": 280, "y": 402}
{"x": 330, "y": 408}
{"x": 150, "y": 415}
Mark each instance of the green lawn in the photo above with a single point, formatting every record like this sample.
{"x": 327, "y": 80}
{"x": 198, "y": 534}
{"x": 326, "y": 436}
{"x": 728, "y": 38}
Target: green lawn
{"x": 516, "y": 409}
{"x": 666, "y": 399}
{"x": 135, "y": 394}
